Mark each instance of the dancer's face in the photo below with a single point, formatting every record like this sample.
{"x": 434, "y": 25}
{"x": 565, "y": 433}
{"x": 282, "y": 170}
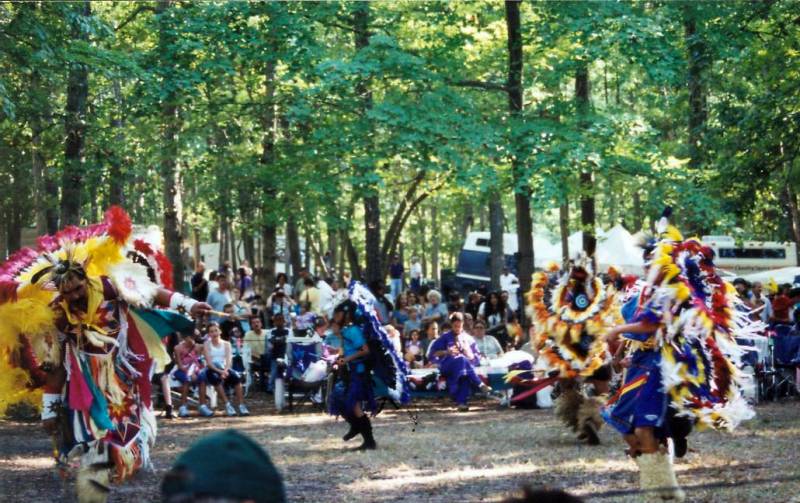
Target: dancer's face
{"x": 73, "y": 289}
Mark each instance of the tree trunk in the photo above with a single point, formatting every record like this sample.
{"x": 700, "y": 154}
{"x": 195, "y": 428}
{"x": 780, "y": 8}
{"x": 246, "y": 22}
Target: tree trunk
{"x": 496, "y": 254}
{"x": 435, "y": 244}
{"x": 116, "y": 179}
{"x": 269, "y": 245}
{"x": 522, "y": 192}
{"x": 223, "y": 248}
{"x": 372, "y": 209}
{"x": 295, "y": 257}
{"x": 467, "y": 220}
{"x": 794, "y": 213}
{"x": 233, "y": 245}
{"x": 563, "y": 225}
{"x": 352, "y": 256}
{"x": 196, "y": 246}
{"x": 170, "y": 168}
{"x": 638, "y": 217}
{"x": 582, "y": 94}
{"x": 697, "y": 62}
{"x": 333, "y": 248}
{"x": 75, "y": 126}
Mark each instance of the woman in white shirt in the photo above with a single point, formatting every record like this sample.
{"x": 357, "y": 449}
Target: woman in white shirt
{"x": 218, "y": 373}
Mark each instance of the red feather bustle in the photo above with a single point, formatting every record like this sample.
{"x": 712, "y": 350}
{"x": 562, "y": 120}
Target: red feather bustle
{"x": 119, "y": 224}
{"x": 165, "y": 270}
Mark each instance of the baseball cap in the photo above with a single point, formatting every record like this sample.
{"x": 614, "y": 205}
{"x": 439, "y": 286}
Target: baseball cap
{"x": 224, "y": 464}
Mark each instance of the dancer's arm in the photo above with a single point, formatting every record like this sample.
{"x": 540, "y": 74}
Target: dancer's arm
{"x": 174, "y": 300}
{"x": 639, "y": 327}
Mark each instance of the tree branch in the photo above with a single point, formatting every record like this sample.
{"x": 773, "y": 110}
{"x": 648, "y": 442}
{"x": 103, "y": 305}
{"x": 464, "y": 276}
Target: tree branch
{"x": 479, "y": 84}
{"x": 133, "y": 15}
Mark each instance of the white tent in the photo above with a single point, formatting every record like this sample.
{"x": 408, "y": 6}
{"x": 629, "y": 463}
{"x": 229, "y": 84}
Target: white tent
{"x": 618, "y": 247}
{"x": 783, "y": 275}
{"x": 615, "y": 246}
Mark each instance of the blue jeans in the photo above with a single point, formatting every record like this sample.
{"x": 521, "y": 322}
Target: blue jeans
{"x": 395, "y": 287}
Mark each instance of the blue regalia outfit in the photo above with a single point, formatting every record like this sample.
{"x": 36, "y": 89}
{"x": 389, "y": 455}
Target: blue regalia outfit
{"x": 354, "y": 381}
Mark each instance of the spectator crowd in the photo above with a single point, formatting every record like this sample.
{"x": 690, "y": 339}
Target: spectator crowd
{"x": 246, "y": 332}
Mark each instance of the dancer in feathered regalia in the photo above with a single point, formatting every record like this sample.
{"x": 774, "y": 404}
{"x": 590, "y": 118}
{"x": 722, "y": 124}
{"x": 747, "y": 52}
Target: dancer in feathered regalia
{"x": 74, "y": 333}
{"x": 366, "y": 350}
{"x": 682, "y": 362}
{"x": 571, "y": 314}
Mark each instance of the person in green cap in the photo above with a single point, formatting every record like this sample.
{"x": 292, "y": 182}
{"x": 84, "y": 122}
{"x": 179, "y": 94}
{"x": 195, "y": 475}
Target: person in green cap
{"x": 227, "y": 466}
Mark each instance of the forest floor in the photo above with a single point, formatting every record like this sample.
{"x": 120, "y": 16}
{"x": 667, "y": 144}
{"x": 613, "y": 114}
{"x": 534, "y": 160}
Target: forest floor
{"x": 481, "y": 455}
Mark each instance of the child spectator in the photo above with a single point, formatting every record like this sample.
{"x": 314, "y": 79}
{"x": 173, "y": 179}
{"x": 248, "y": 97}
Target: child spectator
{"x": 414, "y": 351}
{"x": 412, "y": 323}
{"x": 187, "y": 369}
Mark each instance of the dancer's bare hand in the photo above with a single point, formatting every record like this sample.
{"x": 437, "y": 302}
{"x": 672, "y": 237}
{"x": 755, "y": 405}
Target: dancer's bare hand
{"x": 200, "y": 309}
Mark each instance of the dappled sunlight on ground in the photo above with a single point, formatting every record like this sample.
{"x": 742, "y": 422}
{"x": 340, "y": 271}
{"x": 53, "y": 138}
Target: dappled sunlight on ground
{"x": 480, "y": 455}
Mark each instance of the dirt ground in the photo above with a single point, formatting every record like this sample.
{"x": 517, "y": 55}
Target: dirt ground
{"x": 481, "y": 455}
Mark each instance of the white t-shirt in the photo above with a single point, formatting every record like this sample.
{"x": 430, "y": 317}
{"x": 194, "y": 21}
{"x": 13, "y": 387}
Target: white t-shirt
{"x": 416, "y": 270}
{"x": 510, "y": 283}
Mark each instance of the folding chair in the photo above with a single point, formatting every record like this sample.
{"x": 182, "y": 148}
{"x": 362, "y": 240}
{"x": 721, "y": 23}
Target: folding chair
{"x": 305, "y": 375}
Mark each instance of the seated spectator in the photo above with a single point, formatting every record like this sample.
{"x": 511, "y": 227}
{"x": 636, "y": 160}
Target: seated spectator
{"x": 743, "y": 291}
{"x": 761, "y": 304}
{"x": 219, "y": 297}
{"x": 455, "y": 354}
{"x": 187, "y": 363}
{"x": 436, "y": 311}
{"x": 427, "y": 336}
{"x": 282, "y": 282}
{"x": 487, "y": 345}
{"x": 312, "y": 295}
{"x": 382, "y": 304}
{"x": 245, "y": 284}
{"x": 414, "y": 303}
{"x": 231, "y": 326}
{"x": 170, "y": 342}
{"x": 279, "y": 303}
{"x": 493, "y": 311}
{"x": 276, "y": 347}
{"x": 473, "y": 305}
{"x": 412, "y": 323}
{"x": 782, "y": 306}
{"x": 219, "y": 373}
{"x": 400, "y": 312}
{"x": 305, "y": 320}
{"x": 213, "y": 284}
{"x": 256, "y": 340}
{"x": 469, "y": 323}
{"x": 227, "y": 467}
{"x": 455, "y": 303}
{"x": 414, "y": 352}
{"x": 331, "y": 340}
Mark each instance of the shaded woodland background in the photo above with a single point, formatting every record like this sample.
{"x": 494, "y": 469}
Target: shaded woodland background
{"x": 383, "y": 127}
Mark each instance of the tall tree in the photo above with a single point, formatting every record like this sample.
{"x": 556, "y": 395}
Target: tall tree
{"x": 75, "y": 124}
{"x": 697, "y": 58}
{"x": 582, "y": 97}
{"x": 372, "y": 209}
{"x": 170, "y": 129}
{"x": 522, "y": 190}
